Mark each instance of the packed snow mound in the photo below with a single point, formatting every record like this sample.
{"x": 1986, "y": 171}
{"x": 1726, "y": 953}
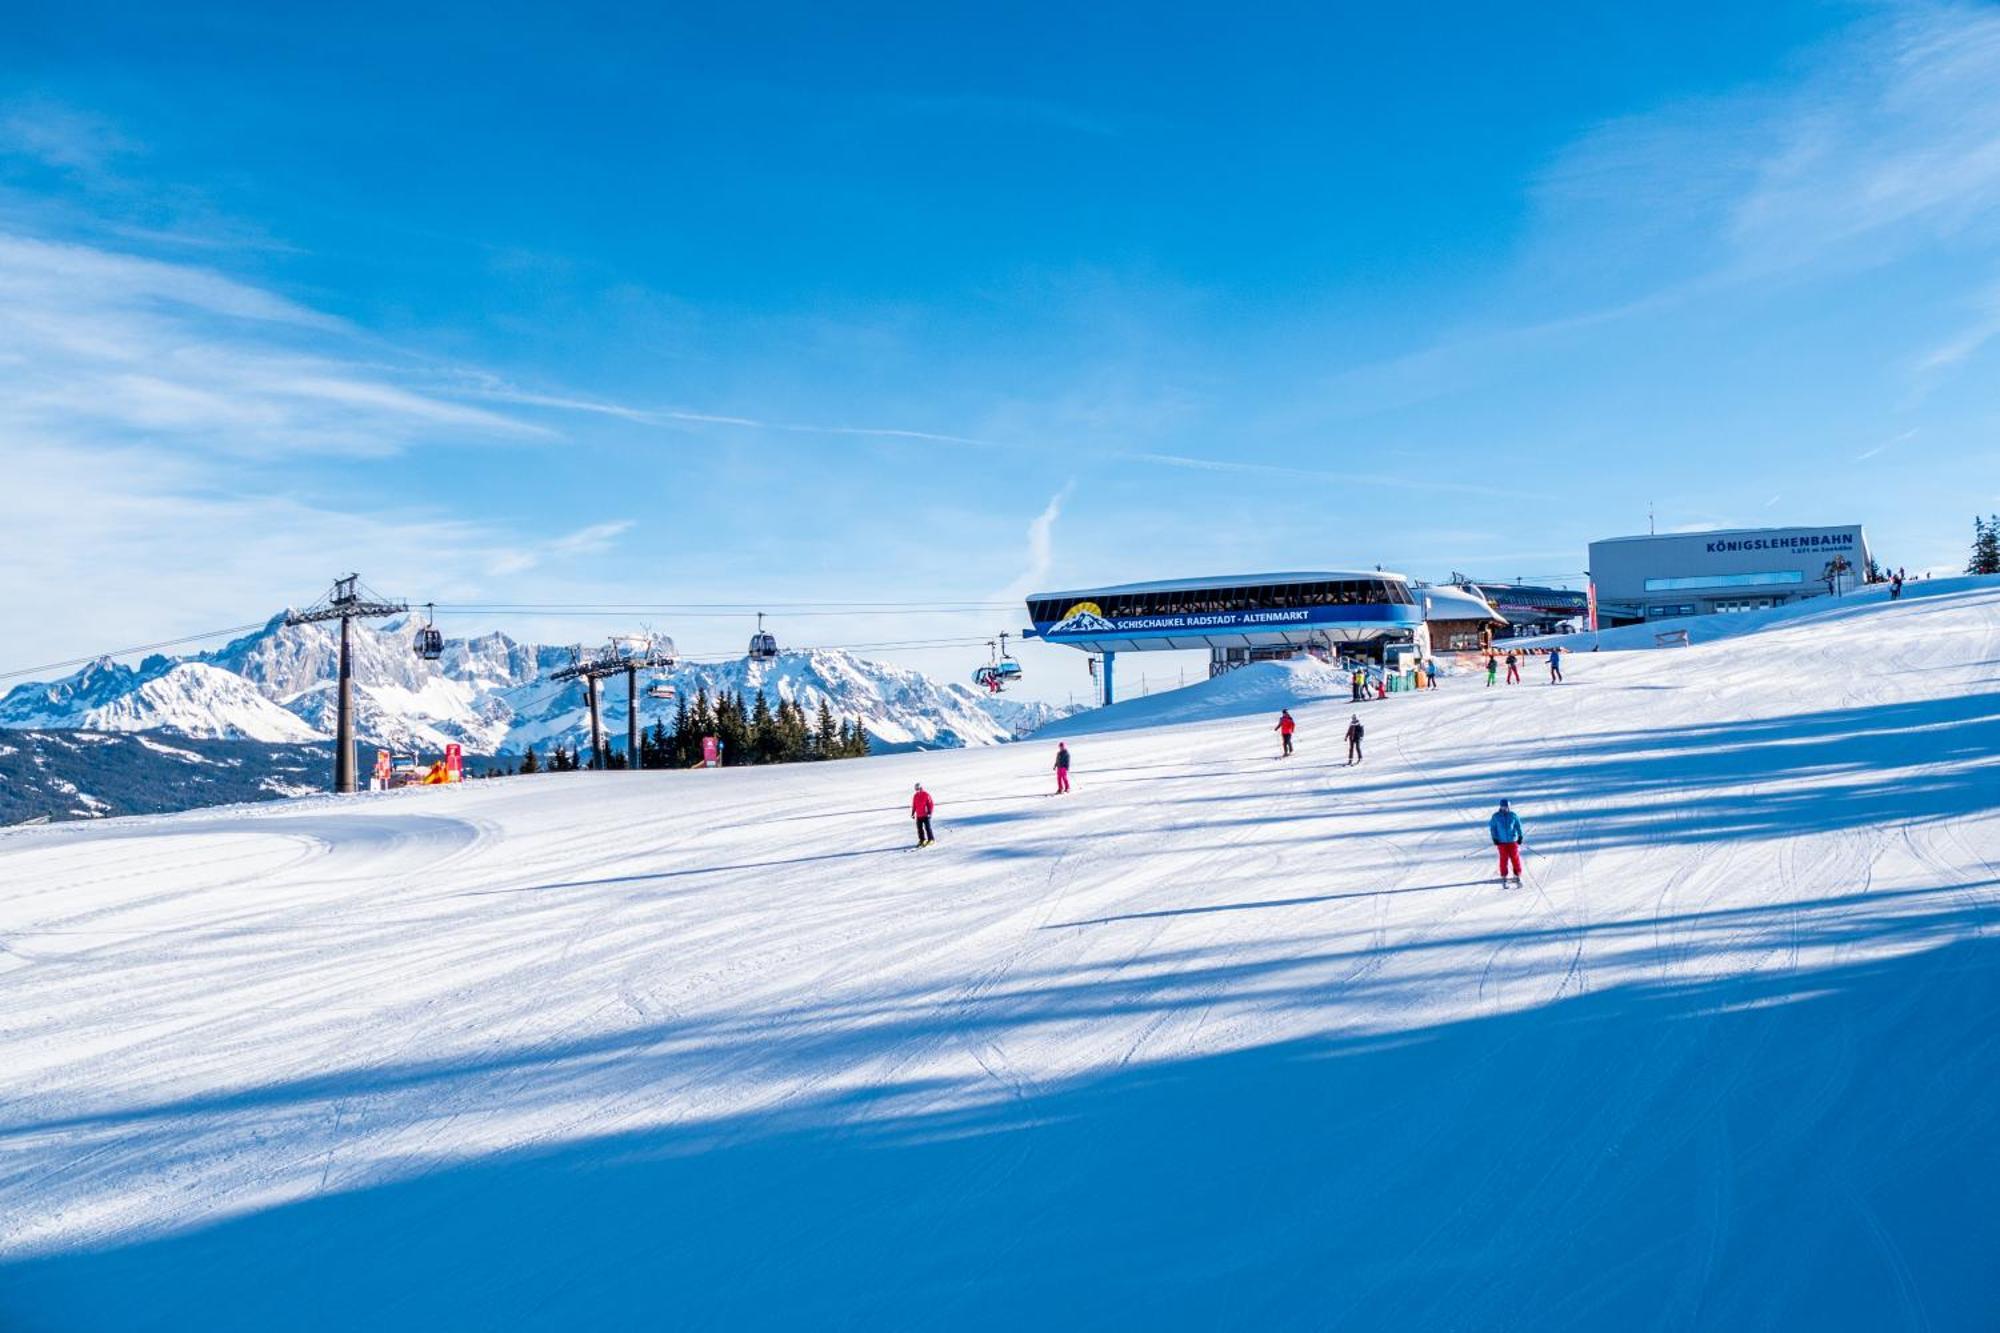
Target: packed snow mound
{"x": 1258, "y": 687}
{"x": 1221, "y": 1039}
{"x": 1814, "y": 613}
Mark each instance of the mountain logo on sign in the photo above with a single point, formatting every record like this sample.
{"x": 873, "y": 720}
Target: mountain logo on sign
{"x": 1083, "y": 618}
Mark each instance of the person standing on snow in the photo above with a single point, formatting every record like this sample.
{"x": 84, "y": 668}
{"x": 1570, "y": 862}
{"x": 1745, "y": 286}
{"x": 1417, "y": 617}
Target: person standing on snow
{"x": 1359, "y": 682}
{"x": 1285, "y": 728}
{"x": 1354, "y": 730}
{"x": 1556, "y": 665}
{"x": 921, "y": 806}
{"x": 1505, "y": 827}
{"x": 1430, "y": 674}
{"x": 1513, "y": 669}
{"x": 1492, "y": 670}
{"x": 1062, "y": 769}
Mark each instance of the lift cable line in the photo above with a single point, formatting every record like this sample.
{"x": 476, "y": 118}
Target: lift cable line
{"x": 740, "y": 608}
{"x": 628, "y": 656}
{"x": 347, "y": 603}
{"x": 136, "y": 648}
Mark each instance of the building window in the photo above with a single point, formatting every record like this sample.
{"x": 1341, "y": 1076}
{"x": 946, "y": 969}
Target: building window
{"x": 1759, "y": 580}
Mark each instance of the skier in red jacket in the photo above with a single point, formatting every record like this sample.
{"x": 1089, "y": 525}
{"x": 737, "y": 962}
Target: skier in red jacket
{"x": 1285, "y": 728}
{"x": 921, "y": 806}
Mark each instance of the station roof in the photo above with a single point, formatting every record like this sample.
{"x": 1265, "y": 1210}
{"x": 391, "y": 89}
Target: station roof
{"x": 1446, "y": 602}
{"x": 1203, "y": 585}
{"x": 1726, "y": 532}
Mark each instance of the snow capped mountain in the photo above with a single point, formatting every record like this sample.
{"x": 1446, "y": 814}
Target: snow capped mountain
{"x": 192, "y": 698}
{"x": 900, "y": 709}
{"x": 489, "y": 693}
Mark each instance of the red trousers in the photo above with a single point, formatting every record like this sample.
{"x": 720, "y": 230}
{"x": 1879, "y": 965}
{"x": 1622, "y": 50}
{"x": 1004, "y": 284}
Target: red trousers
{"x": 1510, "y": 855}
{"x": 1062, "y": 780}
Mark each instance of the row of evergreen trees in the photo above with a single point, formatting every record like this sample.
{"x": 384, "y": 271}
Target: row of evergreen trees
{"x": 1985, "y": 545}
{"x": 753, "y": 733}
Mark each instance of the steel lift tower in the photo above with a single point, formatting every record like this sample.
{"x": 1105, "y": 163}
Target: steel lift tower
{"x": 621, "y": 656}
{"x": 347, "y": 603}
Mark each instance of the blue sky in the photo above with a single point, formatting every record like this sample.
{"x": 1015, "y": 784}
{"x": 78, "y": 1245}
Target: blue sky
{"x": 937, "y": 303}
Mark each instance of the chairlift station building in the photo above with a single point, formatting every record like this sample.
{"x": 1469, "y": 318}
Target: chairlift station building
{"x": 1659, "y": 577}
{"x": 1239, "y": 619}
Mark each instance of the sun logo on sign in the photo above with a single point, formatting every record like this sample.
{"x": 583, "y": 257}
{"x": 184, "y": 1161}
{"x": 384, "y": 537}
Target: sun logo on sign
{"x": 1084, "y": 617}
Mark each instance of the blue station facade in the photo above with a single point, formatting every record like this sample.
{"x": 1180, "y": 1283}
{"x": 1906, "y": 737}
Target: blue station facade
{"x": 1238, "y": 619}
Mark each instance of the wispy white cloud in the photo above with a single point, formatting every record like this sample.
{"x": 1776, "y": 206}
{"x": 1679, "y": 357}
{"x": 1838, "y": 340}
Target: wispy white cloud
{"x": 1040, "y": 554}
{"x": 1886, "y": 445}
{"x": 1417, "y": 481}
{"x": 61, "y": 136}
{"x": 495, "y": 391}
{"x": 104, "y": 346}
{"x": 1888, "y": 140}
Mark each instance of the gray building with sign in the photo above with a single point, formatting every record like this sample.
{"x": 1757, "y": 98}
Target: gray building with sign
{"x": 1743, "y": 569}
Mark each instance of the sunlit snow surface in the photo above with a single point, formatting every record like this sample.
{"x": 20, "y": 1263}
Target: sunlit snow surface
{"x": 1219, "y": 1040}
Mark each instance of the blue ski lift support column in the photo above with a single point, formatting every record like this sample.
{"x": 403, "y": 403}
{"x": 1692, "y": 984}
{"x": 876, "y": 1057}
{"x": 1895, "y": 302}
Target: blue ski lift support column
{"x": 1108, "y": 698}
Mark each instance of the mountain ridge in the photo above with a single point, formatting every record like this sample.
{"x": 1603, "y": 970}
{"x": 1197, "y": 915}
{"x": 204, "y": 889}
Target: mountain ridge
{"x": 489, "y": 693}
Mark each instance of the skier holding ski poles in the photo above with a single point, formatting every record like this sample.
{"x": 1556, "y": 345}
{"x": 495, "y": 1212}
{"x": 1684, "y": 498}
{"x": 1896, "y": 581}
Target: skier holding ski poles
{"x": 1285, "y": 728}
{"x": 1062, "y": 769}
{"x": 1354, "y": 730}
{"x": 1505, "y": 828}
{"x": 1513, "y": 669}
{"x": 921, "y": 806}
{"x": 1556, "y": 665}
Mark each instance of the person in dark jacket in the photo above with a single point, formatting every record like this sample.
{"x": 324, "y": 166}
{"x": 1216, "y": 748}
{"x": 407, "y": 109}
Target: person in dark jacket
{"x": 1513, "y": 669}
{"x": 1556, "y": 665}
{"x": 921, "y": 806}
{"x": 1354, "y": 730}
{"x": 1062, "y": 768}
{"x": 1505, "y": 828}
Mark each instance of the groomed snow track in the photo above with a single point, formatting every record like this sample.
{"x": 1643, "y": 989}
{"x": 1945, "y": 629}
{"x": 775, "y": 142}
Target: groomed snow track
{"x": 1220, "y": 1040}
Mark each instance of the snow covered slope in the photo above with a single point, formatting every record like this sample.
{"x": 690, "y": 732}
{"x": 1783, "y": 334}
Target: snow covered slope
{"x": 489, "y": 694}
{"x": 1219, "y": 1040}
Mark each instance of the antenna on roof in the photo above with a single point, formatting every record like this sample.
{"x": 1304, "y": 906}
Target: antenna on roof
{"x": 1651, "y": 531}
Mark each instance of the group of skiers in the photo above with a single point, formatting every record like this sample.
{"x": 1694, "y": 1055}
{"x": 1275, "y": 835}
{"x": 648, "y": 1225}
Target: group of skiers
{"x": 1504, "y": 827}
{"x": 1424, "y": 676}
{"x": 1513, "y": 661}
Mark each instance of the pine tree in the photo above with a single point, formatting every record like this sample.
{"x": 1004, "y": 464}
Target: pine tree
{"x": 826, "y": 739}
{"x": 765, "y": 745}
{"x": 529, "y": 763}
{"x": 857, "y": 745}
{"x": 682, "y": 747}
{"x": 732, "y": 729}
{"x": 794, "y": 733}
{"x": 1985, "y": 546}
